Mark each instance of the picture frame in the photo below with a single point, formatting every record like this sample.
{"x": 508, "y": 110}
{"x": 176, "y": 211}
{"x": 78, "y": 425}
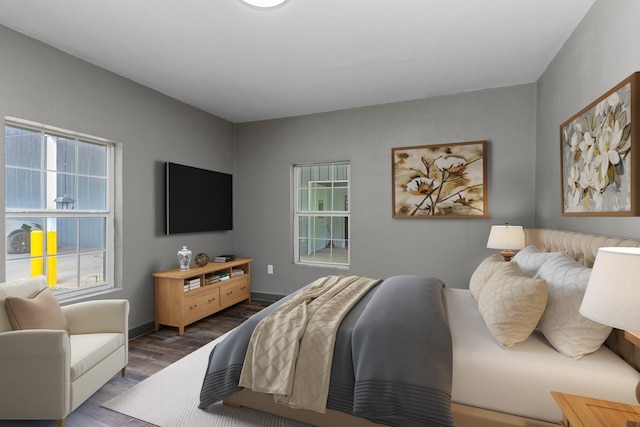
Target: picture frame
{"x": 440, "y": 181}
{"x": 599, "y": 155}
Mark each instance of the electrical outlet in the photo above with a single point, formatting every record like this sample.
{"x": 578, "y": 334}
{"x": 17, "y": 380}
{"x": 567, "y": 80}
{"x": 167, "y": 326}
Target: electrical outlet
{"x": 269, "y": 269}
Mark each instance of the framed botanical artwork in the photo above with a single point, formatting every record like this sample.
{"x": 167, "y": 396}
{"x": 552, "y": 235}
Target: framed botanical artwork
{"x": 599, "y": 168}
{"x": 440, "y": 181}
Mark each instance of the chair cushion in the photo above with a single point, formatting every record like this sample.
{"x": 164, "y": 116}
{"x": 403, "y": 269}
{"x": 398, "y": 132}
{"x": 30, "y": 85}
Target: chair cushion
{"x": 41, "y": 311}
{"x": 87, "y": 350}
{"x": 18, "y": 288}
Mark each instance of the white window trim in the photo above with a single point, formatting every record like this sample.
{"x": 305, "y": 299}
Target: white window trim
{"x": 296, "y": 217}
{"x": 113, "y": 152}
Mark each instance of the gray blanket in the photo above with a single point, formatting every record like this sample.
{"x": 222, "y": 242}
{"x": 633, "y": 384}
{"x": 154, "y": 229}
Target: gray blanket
{"x": 392, "y": 361}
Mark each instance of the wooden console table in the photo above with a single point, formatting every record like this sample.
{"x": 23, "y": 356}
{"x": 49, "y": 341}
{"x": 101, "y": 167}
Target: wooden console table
{"x": 183, "y": 297}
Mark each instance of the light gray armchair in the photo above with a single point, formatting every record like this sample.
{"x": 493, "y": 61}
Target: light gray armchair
{"x": 46, "y": 374}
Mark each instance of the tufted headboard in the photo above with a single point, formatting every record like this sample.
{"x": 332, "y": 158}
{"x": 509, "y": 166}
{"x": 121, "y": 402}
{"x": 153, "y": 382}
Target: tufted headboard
{"x": 583, "y": 247}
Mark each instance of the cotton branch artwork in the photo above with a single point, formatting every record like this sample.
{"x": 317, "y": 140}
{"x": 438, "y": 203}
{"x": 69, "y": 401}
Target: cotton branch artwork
{"x": 440, "y": 181}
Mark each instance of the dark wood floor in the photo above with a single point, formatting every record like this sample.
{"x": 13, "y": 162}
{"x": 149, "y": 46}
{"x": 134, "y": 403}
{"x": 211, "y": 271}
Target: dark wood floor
{"x": 149, "y": 354}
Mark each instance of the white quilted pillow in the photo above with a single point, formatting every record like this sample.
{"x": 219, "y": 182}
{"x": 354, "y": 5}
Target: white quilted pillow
{"x": 530, "y": 259}
{"x": 483, "y": 272}
{"x": 564, "y": 327}
{"x": 511, "y": 304}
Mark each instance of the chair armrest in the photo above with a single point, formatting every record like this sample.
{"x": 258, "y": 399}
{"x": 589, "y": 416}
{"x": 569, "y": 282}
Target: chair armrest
{"x": 34, "y": 373}
{"x": 90, "y": 317}
{"x": 33, "y": 344}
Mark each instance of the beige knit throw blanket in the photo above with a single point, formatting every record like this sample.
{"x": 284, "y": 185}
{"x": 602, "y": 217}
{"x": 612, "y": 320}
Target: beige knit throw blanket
{"x": 291, "y": 350}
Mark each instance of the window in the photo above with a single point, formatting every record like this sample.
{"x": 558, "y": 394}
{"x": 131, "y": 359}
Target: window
{"x": 58, "y": 208}
{"x": 322, "y": 214}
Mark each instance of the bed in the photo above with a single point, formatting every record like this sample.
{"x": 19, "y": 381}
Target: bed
{"x": 496, "y": 386}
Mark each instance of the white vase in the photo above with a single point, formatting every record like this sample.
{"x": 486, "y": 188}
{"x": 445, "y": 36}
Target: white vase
{"x": 184, "y": 258}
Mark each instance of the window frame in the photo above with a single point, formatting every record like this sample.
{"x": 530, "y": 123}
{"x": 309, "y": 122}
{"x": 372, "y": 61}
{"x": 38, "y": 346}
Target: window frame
{"x": 109, "y": 213}
{"x": 298, "y": 214}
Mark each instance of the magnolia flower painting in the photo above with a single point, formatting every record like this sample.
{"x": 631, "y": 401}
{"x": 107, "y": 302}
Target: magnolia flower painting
{"x": 597, "y": 173}
{"x": 440, "y": 181}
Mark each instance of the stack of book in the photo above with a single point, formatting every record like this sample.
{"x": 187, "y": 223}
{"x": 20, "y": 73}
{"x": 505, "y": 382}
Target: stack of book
{"x": 218, "y": 276}
{"x": 224, "y": 258}
{"x": 190, "y": 284}
{"x": 236, "y": 272}
{"x": 210, "y": 278}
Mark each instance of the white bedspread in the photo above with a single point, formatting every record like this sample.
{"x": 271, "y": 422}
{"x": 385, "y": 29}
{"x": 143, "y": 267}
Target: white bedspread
{"x": 519, "y": 380}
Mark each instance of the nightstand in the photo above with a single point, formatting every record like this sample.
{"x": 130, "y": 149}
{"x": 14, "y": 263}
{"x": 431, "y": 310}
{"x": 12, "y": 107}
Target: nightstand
{"x": 579, "y": 411}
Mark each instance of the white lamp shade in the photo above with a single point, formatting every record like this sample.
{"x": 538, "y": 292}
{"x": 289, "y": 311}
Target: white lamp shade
{"x": 613, "y": 293}
{"x": 506, "y": 237}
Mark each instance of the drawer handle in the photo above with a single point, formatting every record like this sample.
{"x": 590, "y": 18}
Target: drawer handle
{"x": 229, "y": 293}
{"x": 211, "y": 299}
{"x": 192, "y": 307}
{"x": 243, "y": 288}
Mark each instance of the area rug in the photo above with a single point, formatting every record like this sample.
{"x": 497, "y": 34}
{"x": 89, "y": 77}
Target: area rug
{"x": 170, "y": 398}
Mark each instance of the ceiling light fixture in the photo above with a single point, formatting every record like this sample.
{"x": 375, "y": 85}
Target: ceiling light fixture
{"x": 264, "y": 4}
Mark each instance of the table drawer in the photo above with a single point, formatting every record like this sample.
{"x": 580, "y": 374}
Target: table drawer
{"x": 235, "y": 291}
{"x": 202, "y": 303}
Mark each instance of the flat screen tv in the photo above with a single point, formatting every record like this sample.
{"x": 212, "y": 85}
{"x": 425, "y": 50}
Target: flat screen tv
{"x": 197, "y": 200}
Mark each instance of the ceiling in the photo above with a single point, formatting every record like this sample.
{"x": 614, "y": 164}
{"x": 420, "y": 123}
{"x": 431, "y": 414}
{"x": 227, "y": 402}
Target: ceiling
{"x": 244, "y": 64}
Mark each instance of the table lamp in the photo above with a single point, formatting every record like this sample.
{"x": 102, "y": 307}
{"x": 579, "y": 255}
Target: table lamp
{"x": 612, "y": 296}
{"x": 506, "y": 237}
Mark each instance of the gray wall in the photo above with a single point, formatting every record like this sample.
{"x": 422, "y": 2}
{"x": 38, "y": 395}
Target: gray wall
{"x": 382, "y": 246}
{"x": 42, "y": 84}
{"x": 521, "y": 124}
{"x": 603, "y": 50}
